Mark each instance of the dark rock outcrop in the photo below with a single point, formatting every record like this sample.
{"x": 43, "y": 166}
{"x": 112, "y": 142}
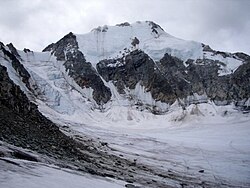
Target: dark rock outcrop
{"x": 137, "y": 67}
{"x": 86, "y": 76}
{"x": 66, "y": 43}
{"x": 154, "y": 26}
{"x": 123, "y": 24}
{"x": 242, "y": 56}
{"x": 201, "y": 77}
{"x": 240, "y": 84}
{"x": 13, "y": 50}
{"x": 135, "y": 41}
{"x": 16, "y": 64}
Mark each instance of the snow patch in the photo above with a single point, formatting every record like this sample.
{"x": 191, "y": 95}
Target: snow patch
{"x": 38, "y": 175}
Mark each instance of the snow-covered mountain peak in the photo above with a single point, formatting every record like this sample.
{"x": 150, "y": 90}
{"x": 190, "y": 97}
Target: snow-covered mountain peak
{"x": 109, "y": 42}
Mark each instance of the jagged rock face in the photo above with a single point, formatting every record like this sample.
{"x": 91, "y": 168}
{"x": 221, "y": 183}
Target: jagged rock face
{"x": 240, "y": 82}
{"x": 243, "y": 56}
{"x": 11, "y": 96}
{"x": 166, "y": 80}
{"x": 237, "y": 55}
{"x": 174, "y": 76}
{"x": 13, "y": 50}
{"x": 16, "y": 64}
{"x": 204, "y": 79}
{"x": 86, "y": 76}
{"x": 67, "y": 43}
{"x": 169, "y": 79}
{"x": 219, "y": 88}
{"x": 201, "y": 77}
{"x": 81, "y": 71}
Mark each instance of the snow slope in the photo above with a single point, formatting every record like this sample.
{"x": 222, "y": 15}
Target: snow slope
{"x": 38, "y": 175}
{"x": 210, "y": 143}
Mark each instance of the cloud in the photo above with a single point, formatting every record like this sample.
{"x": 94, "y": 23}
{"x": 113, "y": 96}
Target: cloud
{"x": 223, "y": 24}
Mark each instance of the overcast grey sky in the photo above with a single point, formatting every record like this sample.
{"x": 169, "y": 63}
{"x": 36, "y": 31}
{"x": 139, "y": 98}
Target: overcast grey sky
{"x": 223, "y": 24}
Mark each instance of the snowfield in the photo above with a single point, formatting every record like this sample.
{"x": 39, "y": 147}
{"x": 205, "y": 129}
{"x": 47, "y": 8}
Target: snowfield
{"x": 213, "y": 147}
{"x": 37, "y": 175}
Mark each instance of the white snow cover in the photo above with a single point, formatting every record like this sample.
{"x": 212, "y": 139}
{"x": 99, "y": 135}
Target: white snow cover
{"x": 37, "y": 175}
{"x": 113, "y": 41}
{"x": 204, "y": 137}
